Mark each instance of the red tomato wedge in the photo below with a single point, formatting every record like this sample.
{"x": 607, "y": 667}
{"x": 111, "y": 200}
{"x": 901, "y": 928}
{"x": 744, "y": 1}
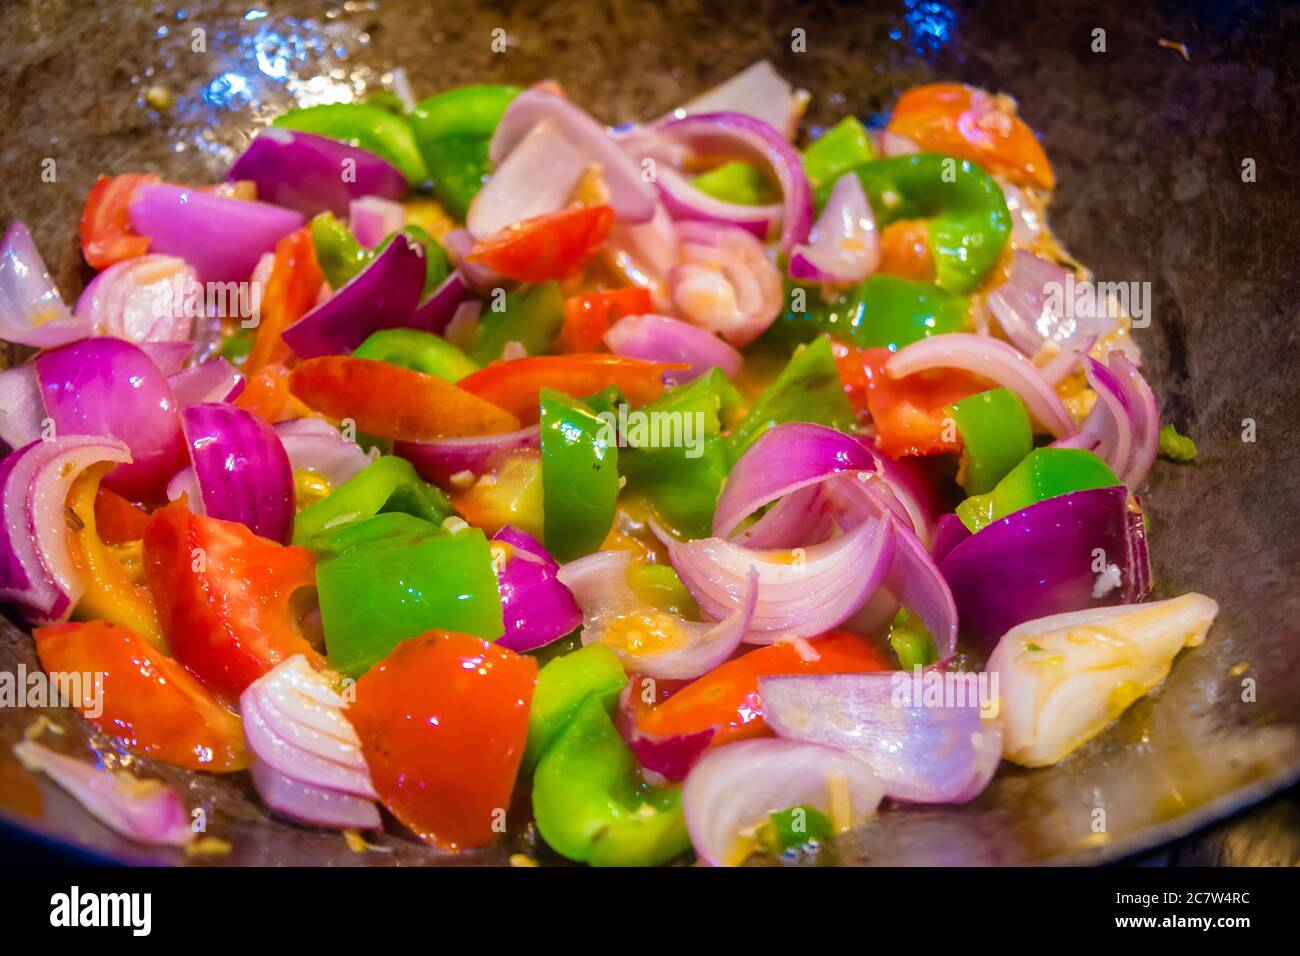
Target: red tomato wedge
{"x": 555, "y": 246}
{"x": 588, "y": 317}
{"x": 106, "y": 233}
{"x": 515, "y": 385}
{"x": 443, "y": 721}
{"x": 395, "y": 402}
{"x": 727, "y": 698}
{"x": 148, "y": 703}
{"x": 116, "y": 519}
{"x": 223, "y": 597}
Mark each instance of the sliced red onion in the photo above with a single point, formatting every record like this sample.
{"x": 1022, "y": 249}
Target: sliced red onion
{"x": 844, "y": 244}
{"x": 645, "y": 254}
{"x": 757, "y": 91}
{"x": 1123, "y": 427}
{"x": 631, "y": 198}
{"x": 22, "y": 412}
{"x": 151, "y": 298}
{"x": 1022, "y": 308}
{"x": 725, "y": 283}
{"x": 215, "y": 380}
{"x": 736, "y": 787}
{"x": 107, "y": 386}
{"x": 221, "y": 238}
{"x": 242, "y": 469}
{"x": 1044, "y": 560}
{"x": 948, "y": 533}
{"x": 37, "y": 573}
{"x": 538, "y": 177}
{"x": 313, "y": 173}
{"x": 803, "y": 592}
{"x": 145, "y": 811}
{"x": 1062, "y": 363}
{"x": 669, "y": 755}
{"x": 658, "y": 338}
{"x": 435, "y": 313}
{"x": 735, "y": 135}
{"x": 990, "y": 359}
{"x": 440, "y": 460}
{"x": 683, "y": 200}
{"x": 315, "y": 445}
{"x": 923, "y": 752}
{"x": 537, "y": 607}
{"x": 372, "y": 219}
{"x": 308, "y": 762}
{"x": 599, "y": 585}
{"x": 31, "y": 310}
{"x": 170, "y": 357}
{"x": 383, "y": 295}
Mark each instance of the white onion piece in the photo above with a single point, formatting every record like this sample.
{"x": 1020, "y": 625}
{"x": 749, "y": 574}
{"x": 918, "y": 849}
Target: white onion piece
{"x": 374, "y": 218}
{"x": 146, "y": 811}
{"x": 537, "y": 178}
{"x": 803, "y": 592}
{"x": 1022, "y": 306}
{"x": 726, "y": 283}
{"x": 758, "y": 91}
{"x": 1064, "y": 678}
{"x": 313, "y": 444}
{"x": 895, "y": 144}
{"x": 150, "y": 298}
{"x": 21, "y": 407}
{"x": 645, "y": 254}
{"x": 1026, "y": 221}
{"x": 736, "y": 787}
{"x": 923, "y": 752}
{"x": 31, "y": 310}
{"x": 844, "y": 244}
{"x": 599, "y": 583}
{"x": 989, "y": 359}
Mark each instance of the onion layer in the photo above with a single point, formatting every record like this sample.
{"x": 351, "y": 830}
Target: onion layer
{"x": 725, "y": 282}
{"x": 31, "y": 310}
{"x": 844, "y": 245}
{"x": 657, "y": 338}
{"x": 537, "y": 607}
{"x": 315, "y": 445}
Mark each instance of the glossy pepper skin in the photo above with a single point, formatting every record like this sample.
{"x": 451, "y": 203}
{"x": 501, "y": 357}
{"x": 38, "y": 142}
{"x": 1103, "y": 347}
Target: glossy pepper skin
{"x": 453, "y": 130}
{"x": 842, "y": 147}
{"x": 591, "y": 805}
{"x": 148, "y": 703}
{"x": 341, "y": 257}
{"x": 737, "y": 182}
{"x": 579, "y": 476}
{"x": 883, "y": 311}
{"x": 969, "y": 223}
{"x": 418, "y": 351}
{"x": 387, "y": 484}
{"x": 996, "y": 436}
{"x": 387, "y": 578}
{"x": 442, "y": 721}
{"x": 361, "y": 124}
{"x": 1044, "y": 473}
{"x": 563, "y": 684}
{"x": 531, "y": 316}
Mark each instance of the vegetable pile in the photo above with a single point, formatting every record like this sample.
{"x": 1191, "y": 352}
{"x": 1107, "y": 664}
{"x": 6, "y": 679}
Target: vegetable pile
{"x": 466, "y": 462}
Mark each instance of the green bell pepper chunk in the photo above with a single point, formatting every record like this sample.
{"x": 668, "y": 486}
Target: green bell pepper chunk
{"x": 682, "y": 483}
{"x": 390, "y": 577}
{"x": 808, "y": 389}
{"x": 996, "y": 436}
{"x": 531, "y": 316}
{"x": 579, "y": 476}
{"x": 736, "y": 182}
{"x": 453, "y": 130}
{"x": 337, "y": 251}
{"x": 911, "y": 641}
{"x": 969, "y": 221}
{"x": 883, "y": 311}
{"x": 1044, "y": 473}
{"x": 387, "y": 484}
{"x": 236, "y": 346}
{"x": 591, "y": 805}
{"x": 842, "y": 147}
{"x": 361, "y": 124}
{"x": 419, "y": 351}
{"x": 794, "y": 829}
{"x": 562, "y": 686}
{"x": 1176, "y": 447}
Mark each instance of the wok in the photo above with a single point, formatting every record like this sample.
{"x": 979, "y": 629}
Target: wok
{"x": 1149, "y": 149}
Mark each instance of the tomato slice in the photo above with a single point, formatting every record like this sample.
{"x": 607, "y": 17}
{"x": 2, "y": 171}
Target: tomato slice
{"x": 588, "y": 317}
{"x": 727, "y": 698}
{"x": 147, "y": 702}
{"x": 443, "y": 721}
{"x": 118, "y": 520}
{"x": 395, "y": 402}
{"x": 516, "y": 384}
{"x": 554, "y": 246}
{"x": 223, "y": 597}
{"x": 908, "y": 412}
{"x": 905, "y": 250}
{"x": 106, "y": 233}
{"x": 968, "y": 123}
{"x": 291, "y": 292}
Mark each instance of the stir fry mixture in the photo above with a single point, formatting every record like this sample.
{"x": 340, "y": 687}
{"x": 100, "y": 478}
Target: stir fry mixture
{"x": 709, "y": 484}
